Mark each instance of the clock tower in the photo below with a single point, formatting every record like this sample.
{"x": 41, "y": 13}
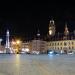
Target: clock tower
{"x": 51, "y": 28}
{"x": 66, "y": 31}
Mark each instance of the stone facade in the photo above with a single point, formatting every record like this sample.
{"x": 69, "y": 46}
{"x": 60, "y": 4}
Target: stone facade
{"x": 68, "y": 45}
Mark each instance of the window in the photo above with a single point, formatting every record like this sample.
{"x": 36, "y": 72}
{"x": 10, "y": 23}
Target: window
{"x": 61, "y": 43}
{"x": 61, "y": 47}
{"x": 58, "y": 48}
{"x": 58, "y": 43}
{"x": 72, "y": 43}
{"x": 50, "y": 44}
{"x": 55, "y": 44}
{"x": 65, "y": 43}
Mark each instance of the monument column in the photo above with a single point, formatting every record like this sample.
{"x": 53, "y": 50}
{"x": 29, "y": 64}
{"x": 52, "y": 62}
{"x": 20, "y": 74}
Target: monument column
{"x": 7, "y": 42}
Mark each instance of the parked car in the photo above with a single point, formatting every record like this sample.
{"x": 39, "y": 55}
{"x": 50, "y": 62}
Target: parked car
{"x": 52, "y": 52}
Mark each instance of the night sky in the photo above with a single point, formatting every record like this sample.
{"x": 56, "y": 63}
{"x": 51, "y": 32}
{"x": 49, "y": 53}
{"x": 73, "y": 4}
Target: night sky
{"x": 24, "y": 18}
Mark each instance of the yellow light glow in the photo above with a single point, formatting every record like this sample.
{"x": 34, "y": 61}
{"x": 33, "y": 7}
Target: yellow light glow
{"x": 50, "y": 32}
{"x": 18, "y": 42}
{"x": 17, "y": 61}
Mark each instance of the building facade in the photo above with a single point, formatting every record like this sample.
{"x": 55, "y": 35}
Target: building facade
{"x": 26, "y": 47}
{"x": 39, "y": 46}
{"x": 57, "y": 42}
{"x": 63, "y": 45}
{"x": 64, "y": 42}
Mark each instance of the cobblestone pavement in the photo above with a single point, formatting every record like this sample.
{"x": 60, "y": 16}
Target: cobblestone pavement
{"x": 37, "y": 64}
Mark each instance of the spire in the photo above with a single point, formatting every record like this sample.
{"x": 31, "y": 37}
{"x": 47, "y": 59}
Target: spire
{"x": 52, "y": 21}
{"x": 52, "y": 28}
{"x": 66, "y": 32}
{"x": 38, "y": 33}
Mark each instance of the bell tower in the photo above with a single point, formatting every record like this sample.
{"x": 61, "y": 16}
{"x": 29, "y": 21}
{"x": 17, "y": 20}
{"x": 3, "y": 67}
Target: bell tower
{"x": 66, "y": 31}
{"x": 38, "y": 33}
{"x": 52, "y": 28}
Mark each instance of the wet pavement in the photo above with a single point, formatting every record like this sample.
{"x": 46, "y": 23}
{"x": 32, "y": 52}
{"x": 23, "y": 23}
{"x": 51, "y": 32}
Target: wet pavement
{"x": 11, "y": 64}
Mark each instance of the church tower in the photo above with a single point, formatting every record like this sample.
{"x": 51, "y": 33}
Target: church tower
{"x": 52, "y": 28}
{"x": 38, "y": 34}
{"x": 66, "y": 31}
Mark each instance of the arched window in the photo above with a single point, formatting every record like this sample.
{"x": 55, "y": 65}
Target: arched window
{"x": 65, "y": 43}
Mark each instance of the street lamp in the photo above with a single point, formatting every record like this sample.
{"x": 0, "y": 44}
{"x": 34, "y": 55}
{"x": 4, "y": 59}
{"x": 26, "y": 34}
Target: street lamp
{"x": 16, "y": 45}
{"x": 18, "y": 42}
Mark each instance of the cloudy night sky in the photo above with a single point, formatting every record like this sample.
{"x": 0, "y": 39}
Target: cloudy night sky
{"x": 24, "y": 18}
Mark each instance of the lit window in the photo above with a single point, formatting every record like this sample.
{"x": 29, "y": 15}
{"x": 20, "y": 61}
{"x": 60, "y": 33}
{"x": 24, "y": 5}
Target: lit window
{"x": 65, "y": 43}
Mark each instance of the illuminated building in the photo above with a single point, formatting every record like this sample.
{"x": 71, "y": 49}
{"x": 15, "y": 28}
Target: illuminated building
{"x": 56, "y": 41}
{"x": 51, "y": 28}
{"x": 16, "y": 46}
{"x": 2, "y": 48}
{"x": 62, "y": 42}
{"x": 38, "y": 45}
{"x": 66, "y": 32}
{"x": 26, "y": 47}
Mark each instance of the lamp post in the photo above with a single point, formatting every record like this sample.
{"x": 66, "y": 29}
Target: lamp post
{"x": 16, "y": 45}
